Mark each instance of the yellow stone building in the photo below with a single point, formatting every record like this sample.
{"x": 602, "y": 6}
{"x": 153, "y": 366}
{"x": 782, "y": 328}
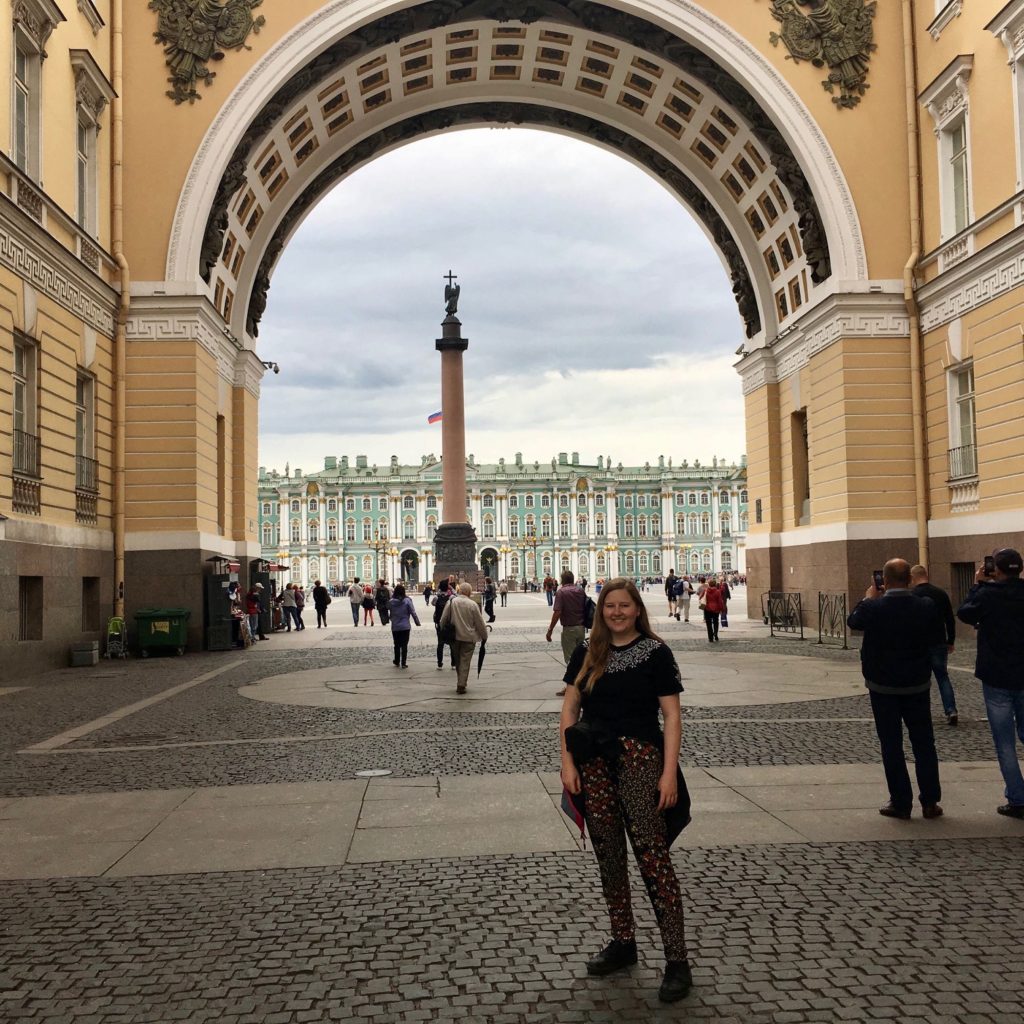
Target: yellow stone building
{"x": 858, "y": 166}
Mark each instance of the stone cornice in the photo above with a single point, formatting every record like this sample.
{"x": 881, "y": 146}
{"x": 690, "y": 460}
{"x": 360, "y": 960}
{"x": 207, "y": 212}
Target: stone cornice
{"x": 953, "y": 9}
{"x": 858, "y": 315}
{"x": 947, "y": 97}
{"x": 92, "y": 16}
{"x": 1008, "y": 26}
{"x": 38, "y": 18}
{"x": 40, "y": 260}
{"x": 249, "y": 372}
{"x": 92, "y": 90}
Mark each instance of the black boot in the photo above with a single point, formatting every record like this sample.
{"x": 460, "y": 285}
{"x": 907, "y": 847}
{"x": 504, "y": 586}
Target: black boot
{"x": 677, "y": 982}
{"x": 613, "y": 957}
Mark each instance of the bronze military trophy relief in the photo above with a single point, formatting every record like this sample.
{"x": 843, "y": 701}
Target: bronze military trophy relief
{"x": 196, "y": 32}
{"x": 837, "y": 34}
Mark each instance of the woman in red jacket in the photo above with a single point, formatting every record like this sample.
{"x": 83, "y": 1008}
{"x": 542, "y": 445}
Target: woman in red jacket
{"x": 714, "y": 605}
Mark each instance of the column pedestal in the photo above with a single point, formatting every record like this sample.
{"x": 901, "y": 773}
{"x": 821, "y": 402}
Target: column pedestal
{"x": 455, "y": 552}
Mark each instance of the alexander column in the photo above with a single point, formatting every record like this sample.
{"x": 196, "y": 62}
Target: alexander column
{"x": 455, "y": 539}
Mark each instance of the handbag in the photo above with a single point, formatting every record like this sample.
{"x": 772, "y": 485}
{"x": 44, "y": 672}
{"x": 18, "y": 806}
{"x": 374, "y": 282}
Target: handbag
{"x": 446, "y": 633}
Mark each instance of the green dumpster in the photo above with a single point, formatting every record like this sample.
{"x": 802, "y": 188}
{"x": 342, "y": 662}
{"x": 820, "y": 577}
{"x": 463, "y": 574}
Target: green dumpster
{"x": 162, "y": 629}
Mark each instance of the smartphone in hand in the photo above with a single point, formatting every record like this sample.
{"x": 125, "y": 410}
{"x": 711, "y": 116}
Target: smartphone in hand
{"x": 878, "y": 580}
{"x": 989, "y": 566}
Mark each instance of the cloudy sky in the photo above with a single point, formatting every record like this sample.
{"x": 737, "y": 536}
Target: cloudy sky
{"x": 599, "y": 317}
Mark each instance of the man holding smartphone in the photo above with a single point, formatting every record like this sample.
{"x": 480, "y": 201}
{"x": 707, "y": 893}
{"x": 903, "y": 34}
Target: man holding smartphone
{"x": 896, "y": 664}
{"x": 944, "y": 640}
{"x": 995, "y": 606}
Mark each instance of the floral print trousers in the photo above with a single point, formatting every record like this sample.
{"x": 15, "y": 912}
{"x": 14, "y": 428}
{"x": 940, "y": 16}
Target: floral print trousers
{"x": 626, "y": 802}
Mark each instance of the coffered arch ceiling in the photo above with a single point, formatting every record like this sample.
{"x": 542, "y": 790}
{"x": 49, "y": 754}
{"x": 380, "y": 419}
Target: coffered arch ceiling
{"x": 581, "y": 68}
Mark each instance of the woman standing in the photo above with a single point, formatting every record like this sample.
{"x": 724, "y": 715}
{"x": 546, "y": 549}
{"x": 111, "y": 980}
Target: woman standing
{"x": 402, "y": 611}
{"x": 367, "y": 605}
{"x": 464, "y": 613}
{"x": 628, "y": 772}
{"x": 714, "y": 605}
{"x": 300, "y": 603}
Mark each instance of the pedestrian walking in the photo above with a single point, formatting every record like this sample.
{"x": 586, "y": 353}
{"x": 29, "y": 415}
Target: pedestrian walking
{"x": 895, "y": 660}
{"x": 503, "y": 593}
{"x": 321, "y": 599}
{"x": 550, "y": 586}
{"x": 367, "y": 604}
{"x": 628, "y": 772}
{"x": 382, "y": 601}
{"x": 440, "y": 602}
{"x": 568, "y": 608}
{"x": 995, "y": 606}
{"x": 428, "y": 591}
{"x": 714, "y": 605}
{"x": 401, "y": 610}
{"x": 670, "y": 591}
{"x": 287, "y": 600}
{"x": 300, "y": 603}
{"x": 462, "y": 612}
{"x": 944, "y": 641}
{"x": 355, "y": 597}
{"x": 489, "y": 595}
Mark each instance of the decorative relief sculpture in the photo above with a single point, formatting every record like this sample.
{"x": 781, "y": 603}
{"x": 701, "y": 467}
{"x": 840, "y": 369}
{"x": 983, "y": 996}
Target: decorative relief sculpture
{"x": 837, "y": 34}
{"x": 195, "y": 32}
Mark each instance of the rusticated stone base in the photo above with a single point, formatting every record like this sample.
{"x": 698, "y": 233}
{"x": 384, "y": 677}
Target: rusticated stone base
{"x": 455, "y": 552}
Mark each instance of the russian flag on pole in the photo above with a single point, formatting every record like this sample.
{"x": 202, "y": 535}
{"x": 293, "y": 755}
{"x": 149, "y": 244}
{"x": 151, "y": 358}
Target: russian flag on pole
{"x": 434, "y": 417}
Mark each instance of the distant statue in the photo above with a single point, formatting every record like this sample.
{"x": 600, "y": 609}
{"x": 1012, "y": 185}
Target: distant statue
{"x": 451, "y": 295}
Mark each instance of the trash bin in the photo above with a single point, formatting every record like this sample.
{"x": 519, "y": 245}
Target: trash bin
{"x": 162, "y": 629}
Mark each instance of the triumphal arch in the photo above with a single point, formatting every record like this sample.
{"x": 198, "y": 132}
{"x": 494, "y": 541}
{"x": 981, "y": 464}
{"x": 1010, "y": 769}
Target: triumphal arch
{"x": 857, "y": 166}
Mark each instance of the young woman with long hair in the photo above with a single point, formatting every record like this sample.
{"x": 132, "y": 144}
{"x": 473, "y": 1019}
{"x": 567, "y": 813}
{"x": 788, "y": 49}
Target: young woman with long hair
{"x": 628, "y": 771}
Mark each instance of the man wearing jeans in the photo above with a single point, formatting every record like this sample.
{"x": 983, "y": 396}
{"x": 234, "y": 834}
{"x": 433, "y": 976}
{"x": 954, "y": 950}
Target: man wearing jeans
{"x": 944, "y": 640}
{"x": 894, "y": 658}
{"x": 569, "y": 606}
{"x": 995, "y": 606}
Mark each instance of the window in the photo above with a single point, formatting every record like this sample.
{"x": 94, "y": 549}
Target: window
{"x": 655, "y": 525}
{"x": 801, "y": 456}
{"x": 641, "y": 526}
{"x": 726, "y": 520}
{"x": 628, "y": 526}
{"x": 681, "y": 523}
{"x": 599, "y": 500}
{"x": 627, "y": 501}
{"x": 367, "y": 505}
{"x": 602, "y": 565}
{"x": 743, "y": 496}
{"x": 488, "y": 527}
{"x": 705, "y": 523}
{"x": 266, "y": 508}
{"x": 744, "y": 522}
{"x": 563, "y": 561}
{"x": 268, "y": 535}
{"x": 26, "y": 443}
{"x": 641, "y": 501}
{"x": 488, "y": 501}
{"x": 563, "y": 501}
{"x": 599, "y": 524}
{"x": 723, "y": 497}
{"x": 382, "y": 529}
{"x": 630, "y": 565}
{"x": 332, "y": 504}
{"x": 727, "y": 561}
{"x": 545, "y": 501}
{"x": 408, "y": 503}
{"x": 431, "y": 501}
{"x": 314, "y": 568}
{"x": 963, "y": 458}
{"x": 350, "y": 530}
{"x": 958, "y": 184}
{"x": 332, "y": 568}
{"x": 513, "y": 501}
{"x": 367, "y": 567}
{"x": 513, "y": 529}
{"x": 691, "y": 523}
{"x": 581, "y": 501}
{"x": 296, "y": 533}
{"x": 296, "y": 507}
{"x": 531, "y": 524}
{"x": 431, "y": 526}
{"x": 332, "y": 531}
{"x": 350, "y": 504}
{"x": 947, "y": 99}
{"x": 705, "y": 498}
{"x": 382, "y": 504}
{"x": 692, "y": 498}
{"x": 85, "y": 157}
{"x": 680, "y": 498}
{"x": 367, "y": 529}
{"x": 314, "y": 505}
{"x": 296, "y": 573}
{"x": 408, "y": 528}
{"x": 26, "y": 127}
{"x": 584, "y": 565}
{"x": 581, "y": 525}
{"x": 656, "y": 562}
{"x": 350, "y": 567}
{"x": 546, "y": 561}
{"x": 85, "y": 432}
{"x": 530, "y": 501}
{"x": 644, "y": 563}
{"x": 513, "y": 565}
{"x": 545, "y": 526}
{"x": 563, "y": 526}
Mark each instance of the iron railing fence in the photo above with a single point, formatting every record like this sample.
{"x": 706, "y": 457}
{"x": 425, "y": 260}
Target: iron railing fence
{"x": 832, "y": 619}
{"x": 86, "y": 474}
{"x": 963, "y": 462}
{"x": 26, "y": 453}
{"x": 783, "y": 612}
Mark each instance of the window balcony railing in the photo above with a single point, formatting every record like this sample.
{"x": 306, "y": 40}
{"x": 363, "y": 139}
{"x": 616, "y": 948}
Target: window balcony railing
{"x": 86, "y": 474}
{"x": 26, "y": 453}
{"x": 963, "y": 462}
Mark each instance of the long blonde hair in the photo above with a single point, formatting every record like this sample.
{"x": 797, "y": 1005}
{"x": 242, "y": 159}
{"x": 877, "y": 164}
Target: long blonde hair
{"x": 599, "y": 648}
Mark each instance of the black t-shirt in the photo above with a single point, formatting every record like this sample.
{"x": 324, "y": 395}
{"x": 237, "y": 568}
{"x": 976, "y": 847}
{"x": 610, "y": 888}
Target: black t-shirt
{"x": 625, "y": 699}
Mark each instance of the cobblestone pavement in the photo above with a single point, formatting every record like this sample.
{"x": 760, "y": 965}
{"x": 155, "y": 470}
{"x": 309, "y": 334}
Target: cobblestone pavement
{"x": 844, "y": 932}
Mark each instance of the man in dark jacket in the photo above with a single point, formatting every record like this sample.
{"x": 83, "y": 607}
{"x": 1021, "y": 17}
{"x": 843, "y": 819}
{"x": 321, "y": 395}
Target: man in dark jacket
{"x": 895, "y": 660}
{"x": 995, "y": 605}
{"x": 944, "y": 640}
{"x": 440, "y": 600}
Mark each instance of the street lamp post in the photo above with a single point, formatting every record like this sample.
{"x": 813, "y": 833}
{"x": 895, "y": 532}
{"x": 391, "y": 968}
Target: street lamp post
{"x": 504, "y": 551}
{"x": 378, "y": 546}
{"x": 392, "y": 553}
{"x": 529, "y": 542}
{"x": 610, "y": 550}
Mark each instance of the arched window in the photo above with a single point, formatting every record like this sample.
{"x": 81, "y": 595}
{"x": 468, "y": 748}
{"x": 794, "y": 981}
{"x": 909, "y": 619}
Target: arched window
{"x": 726, "y": 520}
{"x": 641, "y": 501}
{"x": 367, "y": 505}
{"x": 563, "y": 501}
{"x": 296, "y": 532}
{"x": 627, "y": 501}
{"x": 431, "y": 526}
{"x": 266, "y": 508}
{"x": 332, "y": 504}
{"x": 530, "y": 501}
{"x": 367, "y": 567}
{"x": 513, "y": 564}
{"x": 655, "y": 525}
{"x": 692, "y": 524}
{"x": 707, "y": 560}
{"x": 531, "y": 524}
{"x": 584, "y": 565}
{"x": 431, "y": 501}
{"x": 641, "y": 526}
{"x": 656, "y": 562}
{"x": 563, "y": 526}
{"x": 513, "y": 529}
{"x": 602, "y": 565}
{"x": 727, "y": 560}
{"x": 705, "y": 523}
{"x": 350, "y": 567}
{"x": 296, "y": 507}
{"x": 314, "y": 568}
{"x": 547, "y": 565}
{"x": 581, "y": 525}
{"x": 694, "y": 562}
{"x": 723, "y": 497}
{"x": 489, "y": 527}
{"x": 581, "y": 500}
{"x": 681, "y": 523}
{"x": 645, "y": 565}
{"x": 563, "y": 561}
{"x": 268, "y": 534}
{"x": 488, "y": 501}
{"x": 332, "y": 569}
{"x": 744, "y": 522}
{"x": 350, "y": 504}
{"x": 296, "y": 573}
{"x": 350, "y": 530}
{"x": 408, "y": 528}
{"x": 599, "y": 524}
{"x": 314, "y": 505}
{"x": 545, "y": 501}
{"x": 367, "y": 529}
{"x": 599, "y": 500}
{"x": 382, "y": 504}
{"x": 680, "y": 498}
{"x": 545, "y": 526}
{"x": 705, "y": 498}
{"x": 691, "y": 498}
{"x": 628, "y": 526}
{"x": 382, "y": 529}
{"x": 630, "y": 565}
{"x": 743, "y": 496}
{"x": 314, "y": 532}
{"x": 513, "y": 501}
